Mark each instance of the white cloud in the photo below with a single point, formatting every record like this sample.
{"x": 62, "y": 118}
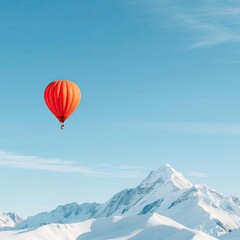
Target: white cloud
{"x": 203, "y": 128}
{"x": 12, "y": 160}
{"x": 206, "y": 128}
{"x": 128, "y": 167}
{"x": 198, "y": 174}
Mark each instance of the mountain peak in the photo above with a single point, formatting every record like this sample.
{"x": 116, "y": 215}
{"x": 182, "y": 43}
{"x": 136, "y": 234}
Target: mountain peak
{"x": 167, "y": 168}
{"x": 166, "y": 175}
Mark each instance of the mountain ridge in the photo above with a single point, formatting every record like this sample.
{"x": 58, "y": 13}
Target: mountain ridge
{"x": 164, "y": 191}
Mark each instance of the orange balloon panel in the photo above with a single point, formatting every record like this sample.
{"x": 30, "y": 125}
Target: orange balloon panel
{"x": 62, "y": 98}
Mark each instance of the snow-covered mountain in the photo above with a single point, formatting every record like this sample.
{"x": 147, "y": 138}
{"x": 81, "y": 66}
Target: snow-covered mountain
{"x": 164, "y": 191}
{"x": 9, "y": 219}
{"x": 158, "y": 189}
{"x": 168, "y": 193}
{"x": 141, "y": 227}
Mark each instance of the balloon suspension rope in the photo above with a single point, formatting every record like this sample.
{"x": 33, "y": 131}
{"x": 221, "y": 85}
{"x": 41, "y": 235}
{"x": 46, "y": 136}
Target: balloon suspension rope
{"x": 62, "y": 126}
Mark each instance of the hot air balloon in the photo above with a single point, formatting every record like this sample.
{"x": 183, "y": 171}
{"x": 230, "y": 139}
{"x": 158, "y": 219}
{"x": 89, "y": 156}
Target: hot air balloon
{"x": 62, "y": 98}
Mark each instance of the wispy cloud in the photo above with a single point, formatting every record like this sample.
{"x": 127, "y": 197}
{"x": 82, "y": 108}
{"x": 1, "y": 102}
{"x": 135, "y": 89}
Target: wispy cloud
{"x": 198, "y": 174}
{"x": 129, "y": 167}
{"x": 12, "y": 160}
{"x": 213, "y": 22}
{"x": 206, "y": 128}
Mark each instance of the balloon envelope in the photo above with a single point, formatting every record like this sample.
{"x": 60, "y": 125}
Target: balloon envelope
{"x": 62, "y": 98}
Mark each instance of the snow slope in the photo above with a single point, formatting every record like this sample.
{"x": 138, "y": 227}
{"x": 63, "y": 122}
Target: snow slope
{"x": 141, "y": 227}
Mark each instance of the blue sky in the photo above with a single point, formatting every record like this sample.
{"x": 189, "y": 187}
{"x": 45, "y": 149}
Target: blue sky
{"x": 160, "y": 84}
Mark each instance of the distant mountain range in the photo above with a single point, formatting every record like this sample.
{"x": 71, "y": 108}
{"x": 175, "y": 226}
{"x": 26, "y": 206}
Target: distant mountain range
{"x": 164, "y": 192}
